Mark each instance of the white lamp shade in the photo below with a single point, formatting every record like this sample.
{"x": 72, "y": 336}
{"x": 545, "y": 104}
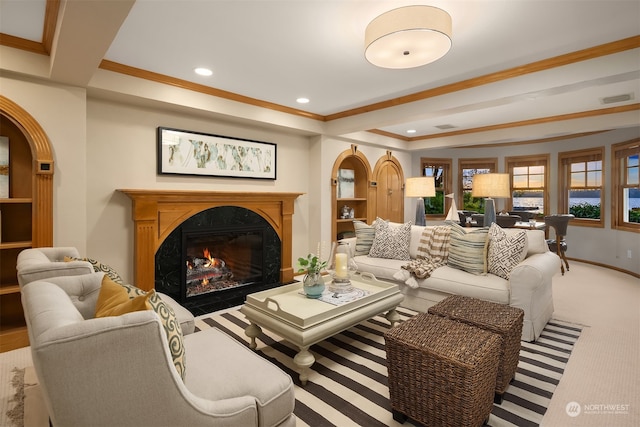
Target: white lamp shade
{"x": 408, "y": 37}
{"x": 493, "y": 185}
{"x": 421, "y": 186}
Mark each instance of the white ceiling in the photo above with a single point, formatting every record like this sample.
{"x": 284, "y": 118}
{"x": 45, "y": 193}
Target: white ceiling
{"x": 277, "y": 51}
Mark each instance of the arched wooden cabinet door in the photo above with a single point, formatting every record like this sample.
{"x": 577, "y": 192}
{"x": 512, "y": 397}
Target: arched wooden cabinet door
{"x": 389, "y": 179}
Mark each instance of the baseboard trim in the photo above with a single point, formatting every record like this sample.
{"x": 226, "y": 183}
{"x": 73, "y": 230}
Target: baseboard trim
{"x": 611, "y": 267}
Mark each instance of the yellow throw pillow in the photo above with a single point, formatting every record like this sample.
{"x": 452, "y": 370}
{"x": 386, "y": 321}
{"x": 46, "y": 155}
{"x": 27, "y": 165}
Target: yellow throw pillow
{"x": 113, "y": 300}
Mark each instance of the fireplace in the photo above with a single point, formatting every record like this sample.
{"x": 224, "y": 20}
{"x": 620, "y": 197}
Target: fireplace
{"x": 220, "y": 259}
{"x": 159, "y": 217}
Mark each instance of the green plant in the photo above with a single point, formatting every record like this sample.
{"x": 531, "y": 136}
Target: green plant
{"x": 434, "y": 205}
{"x": 585, "y": 210}
{"x": 311, "y": 264}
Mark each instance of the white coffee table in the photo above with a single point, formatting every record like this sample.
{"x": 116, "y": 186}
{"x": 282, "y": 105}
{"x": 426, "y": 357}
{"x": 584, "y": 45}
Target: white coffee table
{"x": 304, "y": 321}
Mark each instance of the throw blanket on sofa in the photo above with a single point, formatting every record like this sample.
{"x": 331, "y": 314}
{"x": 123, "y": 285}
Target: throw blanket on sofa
{"x": 433, "y": 251}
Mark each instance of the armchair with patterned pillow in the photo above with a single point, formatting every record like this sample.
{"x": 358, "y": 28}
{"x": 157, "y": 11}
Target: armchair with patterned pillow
{"x": 47, "y": 262}
{"x": 108, "y": 354}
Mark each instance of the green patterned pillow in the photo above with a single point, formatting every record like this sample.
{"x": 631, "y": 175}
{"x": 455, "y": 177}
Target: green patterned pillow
{"x": 364, "y": 237}
{"x": 171, "y": 325}
{"x": 99, "y": 267}
{"x": 468, "y": 250}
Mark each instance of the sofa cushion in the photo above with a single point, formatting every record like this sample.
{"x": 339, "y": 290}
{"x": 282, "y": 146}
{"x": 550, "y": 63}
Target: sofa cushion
{"x": 114, "y": 301}
{"x": 505, "y": 252}
{"x": 364, "y": 237}
{"x": 391, "y": 241}
{"x": 382, "y": 269}
{"x": 456, "y": 282}
{"x": 468, "y": 250}
{"x": 215, "y": 363}
{"x": 98, "y": 267}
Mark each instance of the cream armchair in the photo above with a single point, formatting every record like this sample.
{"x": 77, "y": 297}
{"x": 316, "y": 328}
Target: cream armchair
{"x": 118, "y": 370}
{"x": 43, "y": 263}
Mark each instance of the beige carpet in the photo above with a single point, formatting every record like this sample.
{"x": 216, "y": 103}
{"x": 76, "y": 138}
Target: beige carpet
{"x": 603, "y": 373}
{"x": 601, "y": 382}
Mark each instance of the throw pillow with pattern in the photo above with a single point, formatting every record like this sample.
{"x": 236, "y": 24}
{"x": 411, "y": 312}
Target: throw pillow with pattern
{"x": 172, "y": 327}
{"x": 468, "y": 250}
{"x": 391, "y": 241}
{"x": 505, "y": 252}
{"x": 99, "y": 267}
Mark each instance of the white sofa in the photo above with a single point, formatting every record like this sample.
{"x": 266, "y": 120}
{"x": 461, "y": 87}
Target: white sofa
{"x": 528, "y": 287}
{"x": 118, "y": 370}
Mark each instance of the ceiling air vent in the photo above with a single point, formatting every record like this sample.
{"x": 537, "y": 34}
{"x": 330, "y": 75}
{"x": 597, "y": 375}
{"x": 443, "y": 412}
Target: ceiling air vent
{"x": 445, "y": 127}
{"x": 616, "y": 98}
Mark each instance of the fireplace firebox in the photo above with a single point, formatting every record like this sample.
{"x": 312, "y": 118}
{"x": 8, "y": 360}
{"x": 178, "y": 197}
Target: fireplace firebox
{"x": 215, "y": 258}
{"x": 218, "y": 260}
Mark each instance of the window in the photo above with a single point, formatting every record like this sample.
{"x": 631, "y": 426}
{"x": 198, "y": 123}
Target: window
{"x": 626, "y": 186}
{"x": 581, "y": 186}
{"x": 440, "y": 169}
{"x": 467, "y": 168}
{"x": 529, "y": 181}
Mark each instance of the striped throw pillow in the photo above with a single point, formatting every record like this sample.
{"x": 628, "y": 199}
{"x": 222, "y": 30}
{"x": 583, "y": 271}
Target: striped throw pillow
{"x": 364, "y": 237}
{"x": 468, "y": 250}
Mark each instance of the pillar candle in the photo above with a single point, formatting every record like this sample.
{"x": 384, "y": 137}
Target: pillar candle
{"x": 341, "y": 266}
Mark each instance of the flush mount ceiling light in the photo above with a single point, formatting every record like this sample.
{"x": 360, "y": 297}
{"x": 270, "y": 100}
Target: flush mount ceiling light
{"x": 408, "y": 37}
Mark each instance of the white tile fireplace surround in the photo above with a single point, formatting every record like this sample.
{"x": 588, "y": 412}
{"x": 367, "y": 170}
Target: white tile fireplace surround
{"x": 156, "y": 213}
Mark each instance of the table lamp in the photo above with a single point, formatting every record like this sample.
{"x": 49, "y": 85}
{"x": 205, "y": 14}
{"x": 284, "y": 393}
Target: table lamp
{"x": 421, "y": 186}
{"x": 491, "y": 186}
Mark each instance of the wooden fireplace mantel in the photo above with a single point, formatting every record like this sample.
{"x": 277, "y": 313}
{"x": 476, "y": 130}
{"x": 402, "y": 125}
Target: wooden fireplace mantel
{"x": 156, "y": 213}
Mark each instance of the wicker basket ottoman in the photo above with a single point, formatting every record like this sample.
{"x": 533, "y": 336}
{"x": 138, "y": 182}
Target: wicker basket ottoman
{"x": 441, "y": 372}
{"x": 500, "y": 319}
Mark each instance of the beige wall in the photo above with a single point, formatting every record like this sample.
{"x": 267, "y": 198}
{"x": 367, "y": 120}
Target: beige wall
{"x": 61, "y": 112}
{"x": 121, "y": 153}
{"x": 101, "y": 145}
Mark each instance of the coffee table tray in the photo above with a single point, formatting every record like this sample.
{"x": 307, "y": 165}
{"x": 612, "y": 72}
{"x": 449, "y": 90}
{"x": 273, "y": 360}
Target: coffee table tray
{"x": 288, "y": 304}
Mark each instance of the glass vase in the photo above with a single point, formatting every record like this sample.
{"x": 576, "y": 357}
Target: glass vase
{"x": 313, "y": 284}
{"x": 341, "y": 267}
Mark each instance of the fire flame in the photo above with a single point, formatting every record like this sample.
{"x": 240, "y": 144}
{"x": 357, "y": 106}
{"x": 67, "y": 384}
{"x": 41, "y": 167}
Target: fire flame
{"x": 213, "y": 262}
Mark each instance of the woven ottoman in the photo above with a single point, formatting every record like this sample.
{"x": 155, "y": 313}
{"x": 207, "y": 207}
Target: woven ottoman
{"x": 441, "y": 372}
{"x": 500, "y": 319}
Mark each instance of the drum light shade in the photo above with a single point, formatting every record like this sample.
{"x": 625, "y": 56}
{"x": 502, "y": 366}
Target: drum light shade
{"x": 420, "y": 186}
{"x": 490, "y": 186}
{"x": 408, "y": 37}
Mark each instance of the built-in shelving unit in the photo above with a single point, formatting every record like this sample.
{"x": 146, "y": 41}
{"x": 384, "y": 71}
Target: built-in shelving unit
{"x": 26, "y": 221}
{"x": 363, "y": 191}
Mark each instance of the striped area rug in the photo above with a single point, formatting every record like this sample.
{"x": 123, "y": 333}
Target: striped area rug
{"x": 348, "y": 382}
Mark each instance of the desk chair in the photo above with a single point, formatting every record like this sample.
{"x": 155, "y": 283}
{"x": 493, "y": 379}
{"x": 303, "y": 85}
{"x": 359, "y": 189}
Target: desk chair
{"x": 558, "y": 245}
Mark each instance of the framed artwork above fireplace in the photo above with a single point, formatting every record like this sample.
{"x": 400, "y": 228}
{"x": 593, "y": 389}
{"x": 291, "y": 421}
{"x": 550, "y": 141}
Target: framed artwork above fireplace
{"x": 184, "y": 152}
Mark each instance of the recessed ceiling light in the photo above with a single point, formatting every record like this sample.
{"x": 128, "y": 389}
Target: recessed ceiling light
{"x": 411, "y": 131}
{"x": 302, "y": 100}
{"x": 203, "y": 71}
